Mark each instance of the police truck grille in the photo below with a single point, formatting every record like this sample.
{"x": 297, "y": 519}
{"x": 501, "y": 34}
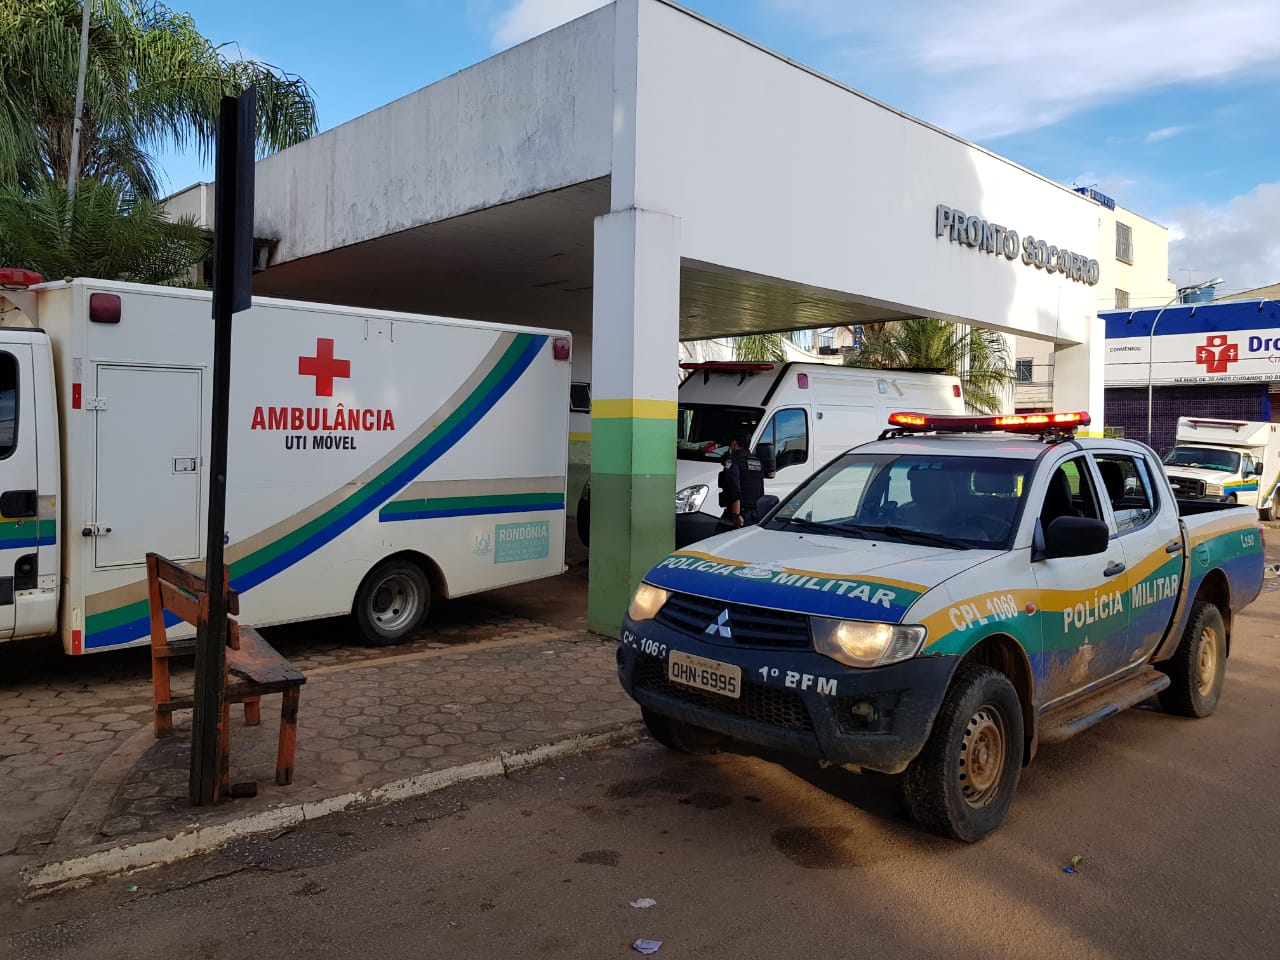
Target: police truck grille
{"x": 758, "y": 703}
{"x": 749, "y": 626}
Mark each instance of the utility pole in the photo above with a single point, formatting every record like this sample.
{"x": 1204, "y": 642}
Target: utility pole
{"x": 232, "y": 292}
{"x": 74, "y": 173}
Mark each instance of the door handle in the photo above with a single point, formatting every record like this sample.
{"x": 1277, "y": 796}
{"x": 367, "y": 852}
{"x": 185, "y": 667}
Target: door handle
{"x": 1173, "y": 546}
{"x": 1113, "y": 568}
{"x": 16, "y": 504}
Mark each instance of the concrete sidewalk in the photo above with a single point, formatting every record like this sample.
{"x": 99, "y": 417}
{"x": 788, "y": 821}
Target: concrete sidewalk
{"x": 367, "y": 733}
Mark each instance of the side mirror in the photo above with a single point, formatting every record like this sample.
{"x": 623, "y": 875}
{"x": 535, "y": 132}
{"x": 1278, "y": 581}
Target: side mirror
{"x": 768, "y": 461}
{"x": 1257, "y": 469}
{"x": 766, "y": 505}
{"x": 1075, "y": 537}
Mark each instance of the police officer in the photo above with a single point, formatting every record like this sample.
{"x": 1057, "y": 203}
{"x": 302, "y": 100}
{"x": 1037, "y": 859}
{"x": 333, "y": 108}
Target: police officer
{"x": 741, "y": 485}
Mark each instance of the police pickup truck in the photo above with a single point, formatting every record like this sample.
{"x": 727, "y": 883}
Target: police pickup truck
{"x": 942, "y": 601}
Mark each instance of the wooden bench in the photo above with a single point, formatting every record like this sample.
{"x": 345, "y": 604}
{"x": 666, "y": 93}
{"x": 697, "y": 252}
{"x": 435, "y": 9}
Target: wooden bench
{"x": 253, "y": 667}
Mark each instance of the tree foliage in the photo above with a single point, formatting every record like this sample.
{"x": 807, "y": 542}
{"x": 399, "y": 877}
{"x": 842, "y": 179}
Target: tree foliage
{"x": 108, "y": 235}
{"x": 978, "y": 356}
{"x": 152, "y": 81}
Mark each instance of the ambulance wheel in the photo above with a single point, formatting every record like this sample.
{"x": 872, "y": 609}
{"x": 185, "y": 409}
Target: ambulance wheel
{"x": 962, "y": 784}
{"x": 1197, "y": 668}
{"x": 680, "y": 736}
{"x": 1272, "y": 510}
{"x": 392, "y": 603}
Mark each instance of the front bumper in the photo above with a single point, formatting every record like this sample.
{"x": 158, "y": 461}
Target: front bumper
{"x": 793, "y": 700}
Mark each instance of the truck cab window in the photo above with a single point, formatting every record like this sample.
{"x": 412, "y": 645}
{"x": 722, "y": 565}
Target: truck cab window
{"x": 1128, "y": 489}
{"x": 1070, "y": 493}
{"x": 788, "y": 431}
{"x": 8, "y": 404}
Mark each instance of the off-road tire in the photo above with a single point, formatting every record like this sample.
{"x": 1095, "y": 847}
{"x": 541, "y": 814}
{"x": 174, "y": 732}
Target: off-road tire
{"x": 680, "y": 736}
{"x": 1198, "y": 667}
{"x": 942, "y": 789}
{"x": 392, "y": 603}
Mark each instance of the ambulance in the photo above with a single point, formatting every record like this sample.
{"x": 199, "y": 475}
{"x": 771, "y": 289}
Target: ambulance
{"x": 1233, "y": 460}
{"x": 377, "y": 461}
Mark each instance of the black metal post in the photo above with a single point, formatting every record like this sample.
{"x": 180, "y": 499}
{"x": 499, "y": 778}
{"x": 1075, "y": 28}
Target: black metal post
{"x": 232, "y": 268}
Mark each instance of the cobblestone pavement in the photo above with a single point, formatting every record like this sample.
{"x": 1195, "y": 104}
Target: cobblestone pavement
{"x": 61, "y": 716}
{"x": 367, "y": 725}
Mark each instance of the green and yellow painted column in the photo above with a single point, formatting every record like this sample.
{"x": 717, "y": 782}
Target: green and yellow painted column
{"x": 635, "y": 348}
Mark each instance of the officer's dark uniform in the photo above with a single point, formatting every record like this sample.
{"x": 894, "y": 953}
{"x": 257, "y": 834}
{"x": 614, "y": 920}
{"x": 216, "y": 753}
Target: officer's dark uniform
{"x": 742, "y": 479}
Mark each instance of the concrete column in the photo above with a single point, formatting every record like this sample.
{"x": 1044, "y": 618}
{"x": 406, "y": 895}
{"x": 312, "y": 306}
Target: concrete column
{"x": 1078, "y": 376}
{"x": 636, "y": 328}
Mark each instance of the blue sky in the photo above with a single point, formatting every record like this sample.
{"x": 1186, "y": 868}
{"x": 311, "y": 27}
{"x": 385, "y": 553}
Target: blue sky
{"x": 1172, "y": 107}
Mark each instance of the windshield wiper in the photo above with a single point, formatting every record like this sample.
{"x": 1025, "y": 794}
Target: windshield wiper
{"x": 831, "y": 529}
{"x": 911, "y": 536}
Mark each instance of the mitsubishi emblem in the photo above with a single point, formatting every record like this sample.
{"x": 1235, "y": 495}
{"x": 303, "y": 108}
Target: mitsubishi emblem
{"x": 721, "y": 626}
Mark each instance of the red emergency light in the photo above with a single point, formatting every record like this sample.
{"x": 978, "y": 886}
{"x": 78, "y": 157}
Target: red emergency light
{"x": 16, "y": 278}
{"x": 1012, "y": 423}
{"x": 728, "y": 367}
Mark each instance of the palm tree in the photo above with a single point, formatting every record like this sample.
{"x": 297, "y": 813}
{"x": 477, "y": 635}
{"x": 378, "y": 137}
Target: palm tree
{"x": 978, "y": 356}
{"x": 109, "y": 234}
{"x": 152, "y": 81}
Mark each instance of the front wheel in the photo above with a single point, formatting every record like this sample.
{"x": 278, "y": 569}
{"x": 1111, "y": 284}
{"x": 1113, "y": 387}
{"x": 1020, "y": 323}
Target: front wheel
{"x": 962, "y": 784}
{"x": 1198, "y": 667}
{"x": 392, "y": 603}
{"x": 1272, "y": 510}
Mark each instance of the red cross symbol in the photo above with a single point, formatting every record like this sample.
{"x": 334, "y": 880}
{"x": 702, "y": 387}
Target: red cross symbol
{"x": 324, "y": 367}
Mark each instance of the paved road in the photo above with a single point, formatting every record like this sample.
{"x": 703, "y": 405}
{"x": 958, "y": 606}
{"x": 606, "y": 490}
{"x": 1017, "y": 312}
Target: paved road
{"x": 749, "y": 858}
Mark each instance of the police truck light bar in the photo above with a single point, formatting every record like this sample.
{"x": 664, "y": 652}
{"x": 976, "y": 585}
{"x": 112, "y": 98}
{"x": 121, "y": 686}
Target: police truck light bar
{"x": 1012, "y": 423}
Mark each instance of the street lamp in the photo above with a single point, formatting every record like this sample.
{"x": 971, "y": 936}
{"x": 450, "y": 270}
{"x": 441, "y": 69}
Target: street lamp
{"x": 1151, "y": 336}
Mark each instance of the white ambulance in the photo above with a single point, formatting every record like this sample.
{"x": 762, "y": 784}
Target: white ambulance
{"x": 376, "y": 460}
{"x": 1233, "y": 460}
{"x": 807, "y": 413}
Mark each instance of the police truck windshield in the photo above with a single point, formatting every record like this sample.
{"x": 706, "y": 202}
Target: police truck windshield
{"x": 703, "y": 430}
{"x": 1206, "y": 458}
{"x": 957, "y": 502}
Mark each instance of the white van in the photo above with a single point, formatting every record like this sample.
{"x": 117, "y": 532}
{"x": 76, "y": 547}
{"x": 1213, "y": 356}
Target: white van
{"x": 808, "y": 412}
{"x": 1233, "y": 460}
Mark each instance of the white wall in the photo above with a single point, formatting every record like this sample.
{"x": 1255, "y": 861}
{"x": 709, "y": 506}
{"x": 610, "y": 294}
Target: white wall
{"x": 777, "y": 171}
{"x": 530, "y": 119}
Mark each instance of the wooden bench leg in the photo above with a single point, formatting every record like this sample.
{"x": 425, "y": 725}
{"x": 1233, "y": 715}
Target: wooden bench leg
{"x": 288, "y": 736}
{"x": 253, "y": 711}
{"x": 161, "y": 693}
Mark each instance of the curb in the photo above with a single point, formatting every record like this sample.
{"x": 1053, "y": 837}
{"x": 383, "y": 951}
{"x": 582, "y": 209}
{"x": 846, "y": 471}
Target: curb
{"x": 42, "y": 879}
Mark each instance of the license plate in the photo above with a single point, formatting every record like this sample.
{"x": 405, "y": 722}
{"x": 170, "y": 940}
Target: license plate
{"x": 722, "y": 678}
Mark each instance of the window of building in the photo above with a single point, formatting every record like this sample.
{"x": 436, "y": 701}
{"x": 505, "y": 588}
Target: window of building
{"x": 1122, "y": 299}
{"x": 1023, "y": 367}
{"x": 1124, "y": 242}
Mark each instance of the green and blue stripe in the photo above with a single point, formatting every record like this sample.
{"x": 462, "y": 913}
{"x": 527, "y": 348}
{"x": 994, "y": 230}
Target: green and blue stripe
{"x": 435, "y": 508}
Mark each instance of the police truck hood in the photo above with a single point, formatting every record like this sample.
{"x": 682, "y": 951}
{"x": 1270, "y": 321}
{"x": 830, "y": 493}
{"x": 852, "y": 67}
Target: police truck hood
{"x": 813, "y": 574}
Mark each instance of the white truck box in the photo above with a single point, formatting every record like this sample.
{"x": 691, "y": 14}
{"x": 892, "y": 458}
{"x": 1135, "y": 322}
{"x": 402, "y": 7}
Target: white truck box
{"x": 376, "y": 459}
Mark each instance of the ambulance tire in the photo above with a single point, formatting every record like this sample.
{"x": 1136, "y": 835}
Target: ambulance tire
{"x": 392, "y": 603}
{"x": 680, "y": 736}
{"x": 1272, "y": 510}
{"x": 962, "y": 784}
{"x": 1199, "y": 665}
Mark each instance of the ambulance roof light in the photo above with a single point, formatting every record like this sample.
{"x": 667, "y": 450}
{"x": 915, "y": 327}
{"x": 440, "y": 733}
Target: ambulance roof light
{"x": 15, "y": 278}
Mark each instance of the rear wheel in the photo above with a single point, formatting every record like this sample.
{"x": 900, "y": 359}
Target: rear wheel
{"x": 1272, "y": 510}
{"x": 392, "y": 603}
{"x": 962, "y": 784}
{"x": 680, "y": 736}
{"x": 1198, "y": 667}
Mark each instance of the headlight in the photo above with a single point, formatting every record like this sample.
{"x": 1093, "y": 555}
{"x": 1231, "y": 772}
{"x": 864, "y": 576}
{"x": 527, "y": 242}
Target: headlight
{"x": 647, "y": 602}
{"x": 862, "y": 644}
{"x": 689, "y": 499}
{"x": 1213, "y": 489}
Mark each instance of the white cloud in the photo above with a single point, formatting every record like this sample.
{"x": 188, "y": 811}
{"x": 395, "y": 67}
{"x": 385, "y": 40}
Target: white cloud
{"x": 1164, "y": 133}
{"x": 1016, "y": 66}
{"x": 1236, "y": 241}
{"x": 528, "y": 18}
